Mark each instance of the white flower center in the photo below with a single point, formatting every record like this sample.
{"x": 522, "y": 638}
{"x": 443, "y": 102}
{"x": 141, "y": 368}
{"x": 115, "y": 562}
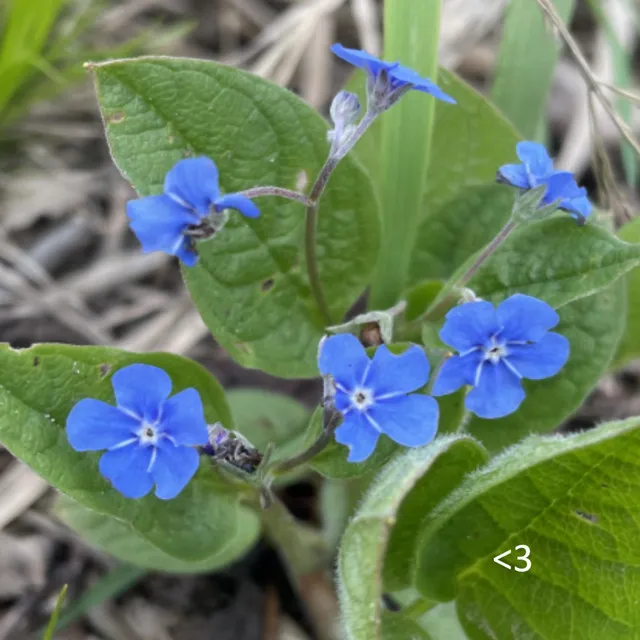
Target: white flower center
{"x": 148, "y": 434}
{"x": 361, "y": 398}
{"x": 495, "y": 351}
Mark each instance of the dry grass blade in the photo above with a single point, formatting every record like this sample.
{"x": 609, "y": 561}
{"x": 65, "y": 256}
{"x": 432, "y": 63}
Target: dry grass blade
{"x": 367, "y": 20}
{"x": 591, "y": 80}
{"x": 19, "y": 489}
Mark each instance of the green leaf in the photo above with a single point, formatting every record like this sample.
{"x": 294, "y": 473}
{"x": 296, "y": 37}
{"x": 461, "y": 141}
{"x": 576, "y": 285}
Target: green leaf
{"x": 121, "y": 541}
{"x": 432, "y": 477}
{"x": 574, "y": 501}
{"x": 630, "y": 345}
{"x": 458, "y": 228}
{"x": 593, "y": 327}
{"x": 362, "y": 553}
{"x": 470, "y": 142}
{"x": 250, "y": 285}
{"x": 263, "y": 417}
{"x": 555, "y": 260}
{"x": 525, "y": 31}
{"x": 411, "y": 32}
{"x": 38, "y": 388}
{"x": 397, "y": 627}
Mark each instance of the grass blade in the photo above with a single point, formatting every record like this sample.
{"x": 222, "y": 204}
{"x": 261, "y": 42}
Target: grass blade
{"x": 528, "y": 51}
{"x": 51, "y": 627}
{"x": 411, "y": 31}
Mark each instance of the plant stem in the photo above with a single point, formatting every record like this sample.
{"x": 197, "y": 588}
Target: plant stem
{"x": 472, "y": 270}
{"x": 311, "y": 224}
{"x": 330, "y": 423}
{"x": 257, "y": 192}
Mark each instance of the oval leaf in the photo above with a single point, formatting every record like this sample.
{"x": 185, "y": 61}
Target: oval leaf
{"x": 573, "y": 502}
{"x": 250, "y": 285}
{"x": 362, "y": 553}
{"x": 38, "y": 388}
{"x": 121, "y": 541}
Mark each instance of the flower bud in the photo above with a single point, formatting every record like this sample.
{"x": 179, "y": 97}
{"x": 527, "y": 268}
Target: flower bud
{"x": 344, "y": 109}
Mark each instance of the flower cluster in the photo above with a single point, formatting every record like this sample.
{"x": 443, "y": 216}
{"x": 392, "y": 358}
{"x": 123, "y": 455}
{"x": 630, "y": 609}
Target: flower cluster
{"x": 537, "y": 170}
{"x": 149, "y": 438}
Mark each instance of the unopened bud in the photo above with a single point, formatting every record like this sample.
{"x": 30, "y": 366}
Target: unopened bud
{"x": 344, "y": 109}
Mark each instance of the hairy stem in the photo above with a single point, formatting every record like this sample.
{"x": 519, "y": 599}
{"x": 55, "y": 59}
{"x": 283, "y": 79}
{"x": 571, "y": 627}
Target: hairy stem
{"x": 311, "y": 225}
{"x": 472, "y": 270}
{"x": 331, "y": 419}
{"x": 257, "y": 192}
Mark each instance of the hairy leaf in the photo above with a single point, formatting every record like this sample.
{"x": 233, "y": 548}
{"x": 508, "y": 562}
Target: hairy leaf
{"x": 38, "y": 388}
{"x": 574, "y": 502}
{"x": 250, "y": 285}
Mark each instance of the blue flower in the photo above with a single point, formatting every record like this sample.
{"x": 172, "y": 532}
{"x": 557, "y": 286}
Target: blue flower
{"x": 496, "y": 349}
{"x": 191, "y": 192}
{"x": 373, "y": 395}
{"x": 537, "y": 169}
{"x": 149, "y": 437}
{"x": 398, "y": 77}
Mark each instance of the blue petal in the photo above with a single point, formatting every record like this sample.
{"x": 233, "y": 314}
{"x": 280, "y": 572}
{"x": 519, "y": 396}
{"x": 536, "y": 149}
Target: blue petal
{"x": 127, "y": 470}
{"x": 540, "y": 359}
{"x": 498, "y": 393}
{"x": 405, "y": 75}
{"x": 358, "y": 434}
{"x": 183, "y": 419}
{"x": 397, "y": 374}
{"x": 187, "y": 254}
{"x": 524, "y": 317}
{"x": 411, "y": 421}
{"x": 93, "y": 425}
{"x": 360, "y": 59}
{"x": 457, "y": 372}
{"x": 159, "y": 223}
{"x": 345, "y": 359}
{"x": 469, "y": 325}
{"x": 515, "y": 174}
{"x": 535, "y": 157}
{"x": 342, "y": 401}
{"x": 194, "y": 181}
{"x": 579, "y": 207}
{"x": 172, "y": 469}
{"x": 241, "y": 203}
{"x": 141, "y": 389}
{"x": 559, "y": 185}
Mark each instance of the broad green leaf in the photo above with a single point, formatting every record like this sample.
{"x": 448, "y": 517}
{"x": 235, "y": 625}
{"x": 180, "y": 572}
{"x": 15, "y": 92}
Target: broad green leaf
{"x": 120, "y": 540}
{"x": 397, "y": 627}
{"x": 264, "y": 417}
{"x": 593, "y": 327}
{"x": 432, "y": 477}
{"x": 362, "y": 552}
{"x": 575, "y": 503}
{"x": 442, "y": 622}
{"x": 458, "y": 228}
{"x": 250, "y": 285}
{"x": 470, "y": 142}
{"x": 555, "y": 260}
{"x": 411, "y": 32}
{"x": 630, "y": 345}
{"x": 38, "y": 388}
{"x": 525, "y": 31}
